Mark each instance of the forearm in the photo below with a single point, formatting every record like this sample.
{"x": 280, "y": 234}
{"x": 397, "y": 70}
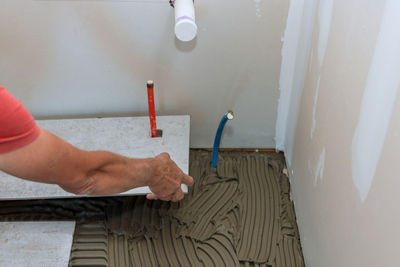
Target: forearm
{"x": 108, "y": 173}
{"x": 50, "y": 159}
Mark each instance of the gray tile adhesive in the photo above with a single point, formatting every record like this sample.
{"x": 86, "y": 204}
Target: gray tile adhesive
{"x": 240, "y": 216}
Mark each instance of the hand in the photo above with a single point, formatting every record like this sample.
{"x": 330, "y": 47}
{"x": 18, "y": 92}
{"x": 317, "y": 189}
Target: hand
{"x": 166, "y": 180}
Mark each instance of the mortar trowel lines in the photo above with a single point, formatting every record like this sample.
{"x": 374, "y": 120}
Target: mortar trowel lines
{"x": 243, "y": 217}
{"x": 230, "y": 221}
{"x": 42, "y": 210}
{"x": 94, "y": 254}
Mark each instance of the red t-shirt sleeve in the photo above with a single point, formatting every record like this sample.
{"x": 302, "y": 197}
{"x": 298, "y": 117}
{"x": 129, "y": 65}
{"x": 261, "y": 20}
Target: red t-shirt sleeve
{"x": 17, "y": 126}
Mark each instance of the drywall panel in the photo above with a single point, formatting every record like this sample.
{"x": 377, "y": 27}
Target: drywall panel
{"x": 346, "y": 140}
{"x": 74, "y": 58}
{"x": 128, "y": 136}
{"x": 35, "y": 244}
{"x": 295, "y": 51}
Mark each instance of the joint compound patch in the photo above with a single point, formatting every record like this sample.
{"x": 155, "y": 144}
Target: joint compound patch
{"x": 257, "y": 4}
{"x": 324, "y": 19}
{"x": 314, "y": 121}
{"x": 319, "y": 172}
{"x": 378, "y": 99}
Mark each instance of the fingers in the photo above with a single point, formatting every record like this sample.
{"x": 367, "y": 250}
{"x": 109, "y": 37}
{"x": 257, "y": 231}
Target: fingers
{"x": 164, "y": 155}
{"x": 168, "y": 179}
{"x": 187, "y": 180}
{"x": 151, "y": 196}
{"x": 175, "y": 197}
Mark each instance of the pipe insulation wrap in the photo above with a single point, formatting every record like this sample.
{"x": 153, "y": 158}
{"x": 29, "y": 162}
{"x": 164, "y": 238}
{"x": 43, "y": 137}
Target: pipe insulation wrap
{"x": 185, "y": 22}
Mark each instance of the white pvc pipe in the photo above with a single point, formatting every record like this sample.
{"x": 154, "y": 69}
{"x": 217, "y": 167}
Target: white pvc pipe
{"x": 185, "y": 23}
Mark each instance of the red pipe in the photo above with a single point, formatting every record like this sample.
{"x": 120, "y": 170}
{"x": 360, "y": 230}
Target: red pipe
{"x": 152, "y": 110}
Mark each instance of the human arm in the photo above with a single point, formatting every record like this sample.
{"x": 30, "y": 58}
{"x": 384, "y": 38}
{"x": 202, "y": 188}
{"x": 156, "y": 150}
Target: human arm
{"x": 49, "y": 159}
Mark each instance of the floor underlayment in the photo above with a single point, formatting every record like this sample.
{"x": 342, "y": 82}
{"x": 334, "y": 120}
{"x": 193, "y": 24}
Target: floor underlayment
{"x": 240, "y": 216}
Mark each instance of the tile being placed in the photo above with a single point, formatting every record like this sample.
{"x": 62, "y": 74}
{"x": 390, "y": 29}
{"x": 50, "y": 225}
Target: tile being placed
{"x": 35, "y": 244}
{"x": 129, "y": 136}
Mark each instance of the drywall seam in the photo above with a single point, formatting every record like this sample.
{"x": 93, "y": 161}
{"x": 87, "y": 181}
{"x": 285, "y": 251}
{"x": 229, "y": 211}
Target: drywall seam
{"x": 319, "y": 171}
{"x": 295, "y": 54}
{"x": 314, "y": 121}
{"x": 289, "y": 49}
{"x": 324, "y": 20}
{"x": 379, "y": 95}
{"x": 311, "y": 60}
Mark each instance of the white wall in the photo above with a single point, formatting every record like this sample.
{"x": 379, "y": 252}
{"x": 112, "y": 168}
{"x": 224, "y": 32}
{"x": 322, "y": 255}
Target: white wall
{"x": 343, "y": 148}
{"x": 74, "y": 58}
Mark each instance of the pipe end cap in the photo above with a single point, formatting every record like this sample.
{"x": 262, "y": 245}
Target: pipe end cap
{"x": 185, "y": 30}
{"x": 230, "y": 115}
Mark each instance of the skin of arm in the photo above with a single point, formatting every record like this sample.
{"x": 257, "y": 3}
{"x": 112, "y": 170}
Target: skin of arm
{"x": 49, "y": 159}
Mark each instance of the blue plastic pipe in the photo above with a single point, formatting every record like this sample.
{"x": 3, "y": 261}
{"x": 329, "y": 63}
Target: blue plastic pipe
{"x": 217, "y": 140}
